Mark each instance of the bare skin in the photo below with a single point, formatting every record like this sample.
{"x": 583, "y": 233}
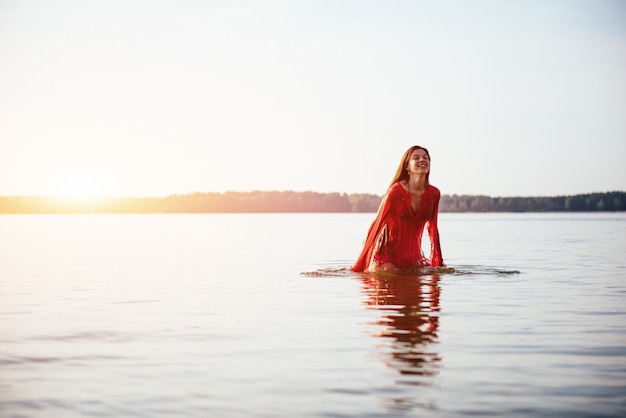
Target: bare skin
{"x": 374, "y": 267}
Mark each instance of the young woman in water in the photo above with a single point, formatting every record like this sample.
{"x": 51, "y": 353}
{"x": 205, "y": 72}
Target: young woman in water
{"x": 394, "y": 240}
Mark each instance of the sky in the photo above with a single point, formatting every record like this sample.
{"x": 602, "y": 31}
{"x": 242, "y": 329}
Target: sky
{"x": 154, "y": 98}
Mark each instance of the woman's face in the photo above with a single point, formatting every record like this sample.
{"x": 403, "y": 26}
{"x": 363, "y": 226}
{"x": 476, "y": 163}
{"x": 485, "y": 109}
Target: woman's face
{"x": 419, "y": 162}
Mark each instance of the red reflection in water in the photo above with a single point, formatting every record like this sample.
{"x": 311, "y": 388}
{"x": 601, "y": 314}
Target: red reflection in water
{"x": 410, "y": 320}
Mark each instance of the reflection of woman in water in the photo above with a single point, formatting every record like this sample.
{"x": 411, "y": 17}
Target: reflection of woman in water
{"x": 394, "y": 240}
{"x": 410, "y": 319}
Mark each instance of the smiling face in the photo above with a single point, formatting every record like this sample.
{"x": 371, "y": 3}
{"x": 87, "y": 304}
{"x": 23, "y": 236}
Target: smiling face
{"x": 419, "y": 162}
{"x": 415, "y": 160}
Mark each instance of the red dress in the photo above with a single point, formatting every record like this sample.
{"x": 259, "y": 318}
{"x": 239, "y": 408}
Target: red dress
{"x": 395, "y": 236}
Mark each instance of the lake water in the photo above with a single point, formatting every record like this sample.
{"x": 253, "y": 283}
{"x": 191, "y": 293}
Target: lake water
{"x": 210, "y": 315}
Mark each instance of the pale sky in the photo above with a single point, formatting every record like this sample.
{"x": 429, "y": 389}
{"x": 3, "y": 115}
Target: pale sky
{"x": 152, "y": 98}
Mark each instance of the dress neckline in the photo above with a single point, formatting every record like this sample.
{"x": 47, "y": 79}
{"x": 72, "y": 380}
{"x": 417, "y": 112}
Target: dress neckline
{"x": 409, "y": 202}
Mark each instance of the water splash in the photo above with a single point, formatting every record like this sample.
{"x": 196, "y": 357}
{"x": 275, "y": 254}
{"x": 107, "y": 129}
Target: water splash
{"x": 484, "y": 270}
{"x": 329, "y": 272}
{"x": 421, "y": 271}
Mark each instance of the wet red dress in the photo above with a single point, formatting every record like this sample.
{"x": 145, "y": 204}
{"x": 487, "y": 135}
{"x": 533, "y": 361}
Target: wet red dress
{"x": 395, "y": 236}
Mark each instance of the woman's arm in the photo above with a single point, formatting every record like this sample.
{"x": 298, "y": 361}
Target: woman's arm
{"x": 436, "y": 257}
{"x": 369, "y": 247}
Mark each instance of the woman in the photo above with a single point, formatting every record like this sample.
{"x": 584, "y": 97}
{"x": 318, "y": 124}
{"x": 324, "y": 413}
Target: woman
{"x": 394, "y": 240}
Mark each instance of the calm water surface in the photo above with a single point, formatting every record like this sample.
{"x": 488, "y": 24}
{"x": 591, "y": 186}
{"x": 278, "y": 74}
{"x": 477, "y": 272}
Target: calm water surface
{"x": 211, "y": 316}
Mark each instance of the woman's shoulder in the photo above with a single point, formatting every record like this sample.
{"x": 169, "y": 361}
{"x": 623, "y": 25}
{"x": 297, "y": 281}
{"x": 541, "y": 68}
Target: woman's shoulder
{"x": 396, "y": 188}
{"x": 395, "y": 193}
{"x": 432, "y": 189}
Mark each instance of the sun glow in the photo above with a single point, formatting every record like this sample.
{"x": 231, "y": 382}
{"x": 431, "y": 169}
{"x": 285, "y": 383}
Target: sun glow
{"x": 77, "y": 188}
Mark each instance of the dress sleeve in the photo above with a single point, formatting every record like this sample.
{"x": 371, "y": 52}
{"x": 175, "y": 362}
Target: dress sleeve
{"x": 370, "y": 241}
{"x": 433, "y": 233}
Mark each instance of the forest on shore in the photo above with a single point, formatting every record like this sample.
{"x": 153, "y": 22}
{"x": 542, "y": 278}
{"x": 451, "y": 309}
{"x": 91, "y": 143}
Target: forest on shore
{"x": 290, "y": 201}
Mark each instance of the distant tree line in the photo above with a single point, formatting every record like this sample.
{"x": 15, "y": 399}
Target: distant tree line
{"x": 592, "y": 202}
{"x": 289, "y": 201}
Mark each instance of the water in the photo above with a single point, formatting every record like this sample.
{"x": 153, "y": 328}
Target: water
{"x": 210, "y": 316}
